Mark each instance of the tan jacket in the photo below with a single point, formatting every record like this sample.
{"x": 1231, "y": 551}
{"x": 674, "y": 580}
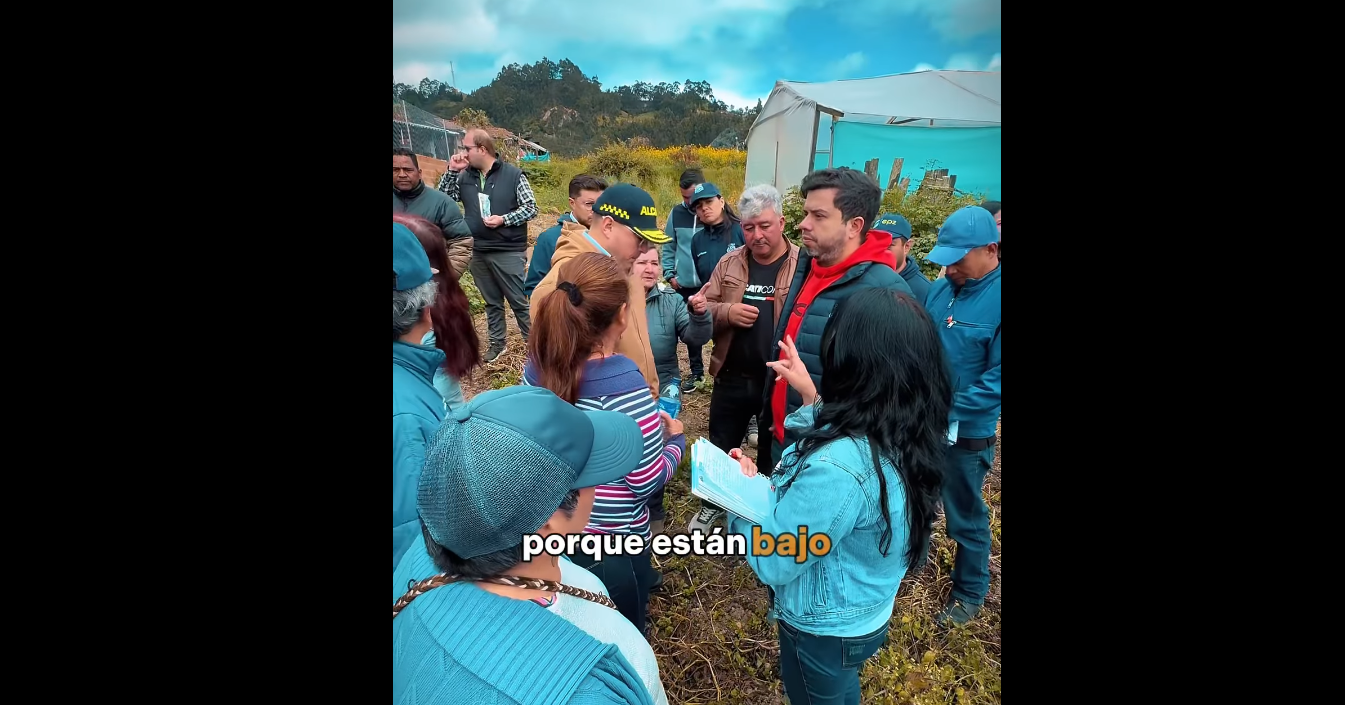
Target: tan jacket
{"x": 727, "y": 284}
{"x": 634, "y": 343}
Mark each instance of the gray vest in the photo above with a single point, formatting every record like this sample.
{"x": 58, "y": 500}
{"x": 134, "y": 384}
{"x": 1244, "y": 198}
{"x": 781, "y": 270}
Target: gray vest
{"x": 501, "y": 185}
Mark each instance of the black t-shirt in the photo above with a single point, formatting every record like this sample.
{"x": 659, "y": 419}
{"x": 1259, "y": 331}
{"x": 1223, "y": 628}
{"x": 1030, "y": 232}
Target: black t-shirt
{"x": 752, "y": 346}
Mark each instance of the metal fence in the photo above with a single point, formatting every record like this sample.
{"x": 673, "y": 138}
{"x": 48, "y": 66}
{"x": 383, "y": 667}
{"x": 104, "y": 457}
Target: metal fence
{"x": 423, "y": 132}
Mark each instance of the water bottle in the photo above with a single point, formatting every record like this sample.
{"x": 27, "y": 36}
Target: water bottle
{"x": 671, "y": 398}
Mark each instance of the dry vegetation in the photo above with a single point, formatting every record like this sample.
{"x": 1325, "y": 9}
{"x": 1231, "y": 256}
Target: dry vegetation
{"x": 654, "y": 170}
{"x": 710, "y": 633}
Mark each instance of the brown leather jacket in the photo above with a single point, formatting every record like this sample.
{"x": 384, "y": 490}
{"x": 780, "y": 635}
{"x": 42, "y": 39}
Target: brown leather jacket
{"x": 726, "y": 287}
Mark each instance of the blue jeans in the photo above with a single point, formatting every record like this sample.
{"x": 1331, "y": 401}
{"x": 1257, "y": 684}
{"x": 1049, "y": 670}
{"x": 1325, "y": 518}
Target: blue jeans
{"x": 824, "y": 670}
{"x": 968, "y": 520}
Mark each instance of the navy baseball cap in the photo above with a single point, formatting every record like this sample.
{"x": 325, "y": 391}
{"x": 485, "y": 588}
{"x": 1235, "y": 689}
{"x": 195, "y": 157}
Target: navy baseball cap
{"x": 894, "y": 224}
{"x": 965, "y": 230}
{"x": 702, "y": 192}
{"x": 410, "y": 264}
{"x": 633, "y": 207}
{"x": 499, "y": 466}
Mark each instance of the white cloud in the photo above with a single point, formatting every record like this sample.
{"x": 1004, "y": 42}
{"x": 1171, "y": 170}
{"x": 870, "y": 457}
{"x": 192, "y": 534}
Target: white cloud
{"x": 852, "y": 62}
{"x": 962, "y": 62}
{"x": 735, "y": 99}
{"x": 726, "y": 82}
{"x": 641, "y": 25}
{"x": 436, "y": 36}
{"x": 953, "y": 19}
{"x": 650, "y": 41}
{"x": 436, "y": 31}
{"x": 411, "y": 73}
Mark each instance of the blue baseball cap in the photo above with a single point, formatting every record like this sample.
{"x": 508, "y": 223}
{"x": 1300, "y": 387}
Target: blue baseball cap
{"x": 894, "y": 224}
{"x": 410, "y": 264}
{"x": 702, "y": 192}
{"x": 499, "y": 466}
{"x": 965, "y": 230}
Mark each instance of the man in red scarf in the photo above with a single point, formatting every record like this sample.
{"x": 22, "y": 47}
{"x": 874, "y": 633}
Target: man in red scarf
{"x": 844, "y": 255}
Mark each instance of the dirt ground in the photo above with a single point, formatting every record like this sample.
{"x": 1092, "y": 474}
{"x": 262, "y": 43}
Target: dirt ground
{"x": 709, "y": 630}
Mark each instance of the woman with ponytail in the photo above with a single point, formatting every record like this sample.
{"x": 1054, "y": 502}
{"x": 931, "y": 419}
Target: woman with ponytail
{"x": 866, "y": 473}
{"x": 572, "y": 352}
{"x": 451, "y": 315}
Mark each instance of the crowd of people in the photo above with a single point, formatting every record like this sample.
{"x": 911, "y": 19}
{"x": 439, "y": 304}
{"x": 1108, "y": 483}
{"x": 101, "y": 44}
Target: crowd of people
{"x": 876, "y": 391}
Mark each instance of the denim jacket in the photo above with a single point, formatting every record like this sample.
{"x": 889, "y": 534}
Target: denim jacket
{"x": 968, "y": 321}
{"x": 851, "y": 590}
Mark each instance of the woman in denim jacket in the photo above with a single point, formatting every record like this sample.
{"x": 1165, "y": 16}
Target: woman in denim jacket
{"x": 866, "y": 473}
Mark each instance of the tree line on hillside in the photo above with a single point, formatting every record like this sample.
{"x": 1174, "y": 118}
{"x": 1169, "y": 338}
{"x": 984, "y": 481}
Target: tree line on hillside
{"x": 557, "y": 106}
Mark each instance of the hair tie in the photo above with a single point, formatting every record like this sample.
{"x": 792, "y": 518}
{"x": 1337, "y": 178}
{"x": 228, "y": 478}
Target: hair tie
{"x": 573, "y": 291}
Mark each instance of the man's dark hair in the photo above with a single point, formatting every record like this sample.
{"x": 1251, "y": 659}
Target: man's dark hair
{"x": 690, "y": 178}
{"x": 406, "y": 152}
{"x": 857, "y": 195}
{"x": 585, "y": 182}
{"x": 992, "y": 206}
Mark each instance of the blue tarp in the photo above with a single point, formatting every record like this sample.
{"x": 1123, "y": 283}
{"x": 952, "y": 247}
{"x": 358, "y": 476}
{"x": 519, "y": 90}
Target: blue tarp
{"x": 950, "y": 117}
{"x": 972, "y": 154}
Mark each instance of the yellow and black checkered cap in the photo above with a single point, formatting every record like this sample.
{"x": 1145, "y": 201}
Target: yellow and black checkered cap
{"x": 634, "y": 208}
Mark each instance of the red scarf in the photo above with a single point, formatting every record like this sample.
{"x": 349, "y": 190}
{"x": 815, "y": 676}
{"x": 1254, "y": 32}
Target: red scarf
{"x": 873, "y": 249}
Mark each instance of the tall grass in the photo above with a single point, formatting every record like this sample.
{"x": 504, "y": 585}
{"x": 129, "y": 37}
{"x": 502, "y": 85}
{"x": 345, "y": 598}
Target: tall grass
{"x": 658, "y": 171}
{"x": 654, "y": 170}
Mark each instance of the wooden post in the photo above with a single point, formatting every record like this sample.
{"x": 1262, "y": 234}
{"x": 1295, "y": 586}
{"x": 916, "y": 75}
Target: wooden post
{"x": 895, "y": 175}
{"x": 938, "y": 180}
{"x": 871, "y": 168}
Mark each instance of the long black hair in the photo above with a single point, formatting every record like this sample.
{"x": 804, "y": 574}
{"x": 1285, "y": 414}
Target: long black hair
{"x": 885, "y": 379}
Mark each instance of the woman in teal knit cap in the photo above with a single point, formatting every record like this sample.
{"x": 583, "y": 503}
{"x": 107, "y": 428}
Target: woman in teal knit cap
{"x": 476, "y": 618}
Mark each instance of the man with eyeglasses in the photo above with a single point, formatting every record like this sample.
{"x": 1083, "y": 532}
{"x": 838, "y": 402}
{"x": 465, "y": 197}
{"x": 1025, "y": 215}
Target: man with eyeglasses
{"x": 624, "y": 225}
{"x": 498, "y": 202}
{"x": 584, "y": 192}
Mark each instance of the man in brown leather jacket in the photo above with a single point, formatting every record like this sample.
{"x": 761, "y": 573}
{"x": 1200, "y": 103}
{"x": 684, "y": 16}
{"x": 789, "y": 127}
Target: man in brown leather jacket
{"x": 746, "y": 295}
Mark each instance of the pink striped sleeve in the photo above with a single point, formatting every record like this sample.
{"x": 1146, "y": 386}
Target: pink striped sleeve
{"x": 660, "y": 460}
